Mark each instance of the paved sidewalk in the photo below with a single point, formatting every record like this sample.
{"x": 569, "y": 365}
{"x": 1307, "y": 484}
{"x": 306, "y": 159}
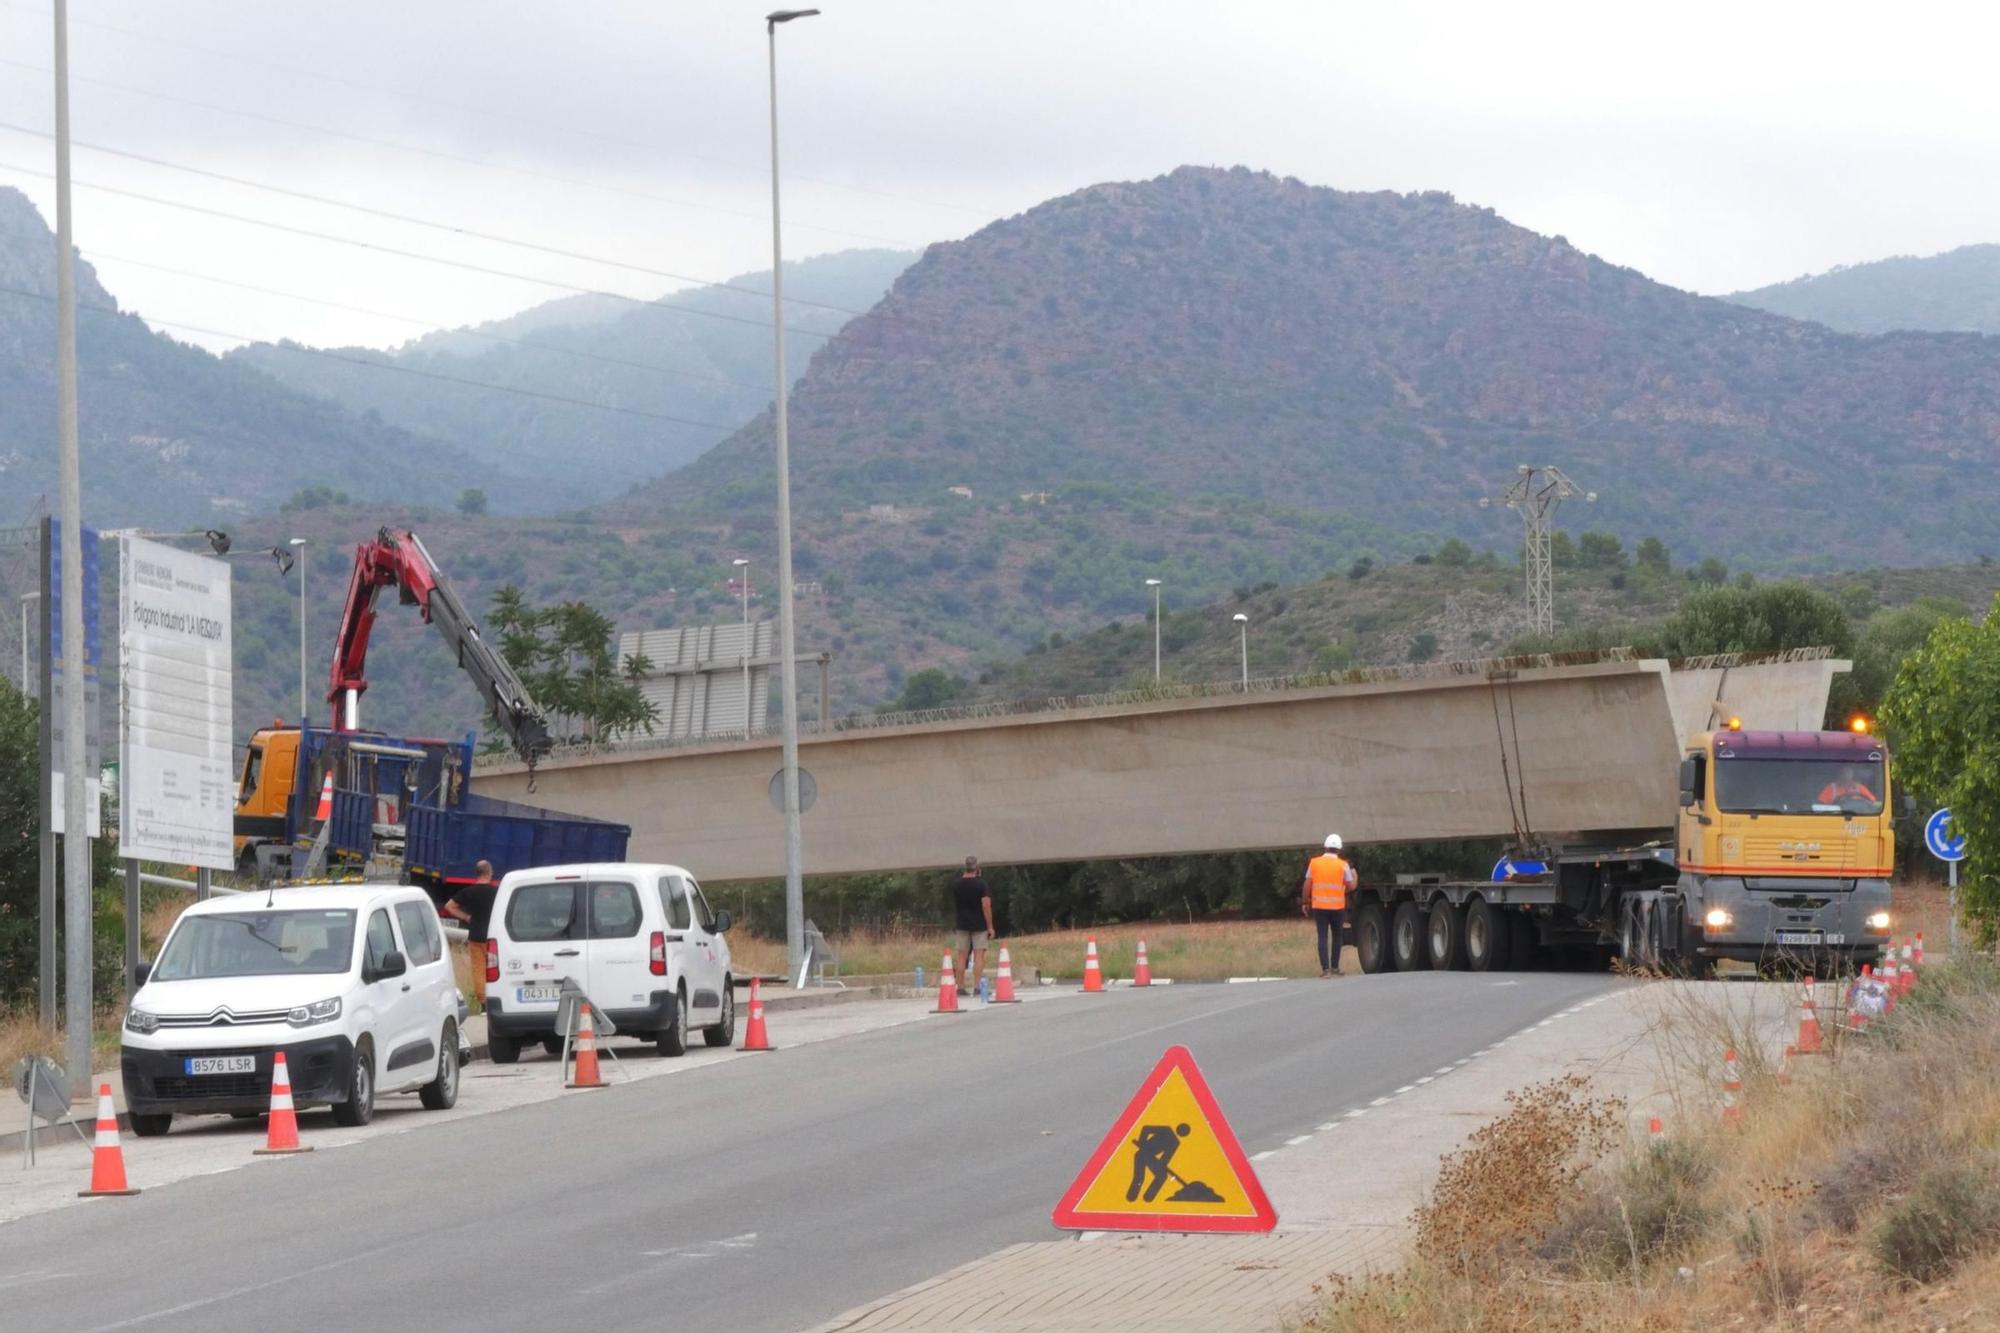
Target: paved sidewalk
{"x": 1344, "y": 1192}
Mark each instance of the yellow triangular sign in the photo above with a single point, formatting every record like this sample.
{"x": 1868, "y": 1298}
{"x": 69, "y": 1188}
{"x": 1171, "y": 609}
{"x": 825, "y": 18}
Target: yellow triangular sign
{"x": 1170, "y": 1163}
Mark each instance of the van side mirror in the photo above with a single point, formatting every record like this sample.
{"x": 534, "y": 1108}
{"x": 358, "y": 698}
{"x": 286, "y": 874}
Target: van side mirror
{"x": 140, "y": 971}
{"x": 723, "y": 920}
{"x": 393, "y": 964}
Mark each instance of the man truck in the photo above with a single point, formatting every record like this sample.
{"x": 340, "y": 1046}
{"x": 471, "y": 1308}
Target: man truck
{"x": 1780, "y": 857}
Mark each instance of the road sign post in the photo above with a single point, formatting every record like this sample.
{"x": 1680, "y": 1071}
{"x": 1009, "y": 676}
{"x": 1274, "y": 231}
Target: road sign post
{"x": 1948, "y": 847}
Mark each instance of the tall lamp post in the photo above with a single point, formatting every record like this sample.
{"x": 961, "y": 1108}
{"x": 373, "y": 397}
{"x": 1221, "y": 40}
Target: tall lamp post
{"x": 28, "y": 677}
{"x": 1243, "y": 628}
{"x": 1154, "y": 584}
{"x": 743, "y": 580}
{"x": 795, "y": 898}
{"x": 300, "y": 543}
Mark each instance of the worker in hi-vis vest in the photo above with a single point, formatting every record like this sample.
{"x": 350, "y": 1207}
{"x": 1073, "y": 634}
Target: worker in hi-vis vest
{"x": 1323, "y": 897}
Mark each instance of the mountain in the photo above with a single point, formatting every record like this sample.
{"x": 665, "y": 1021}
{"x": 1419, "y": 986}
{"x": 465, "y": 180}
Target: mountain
{"x": 1955, "y": 292}
{"x": 169, "y": 434}
{"x": 1228, "y": 333}
{"x": 630, "y": 389}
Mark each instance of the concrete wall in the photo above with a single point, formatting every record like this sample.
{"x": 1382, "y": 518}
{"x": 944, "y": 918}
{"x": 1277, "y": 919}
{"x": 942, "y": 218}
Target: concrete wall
{"x": 1396, "y": 761}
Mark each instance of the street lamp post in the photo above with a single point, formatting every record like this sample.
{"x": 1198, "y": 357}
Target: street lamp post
{"x": 1154, "y": 584}
{"x": 300, "y": 542}
{"x": 27, "y": 688}
{"x": 743, "y": 579}
{"x": 1243, "y": 627}
{"x": 795, "y": 901}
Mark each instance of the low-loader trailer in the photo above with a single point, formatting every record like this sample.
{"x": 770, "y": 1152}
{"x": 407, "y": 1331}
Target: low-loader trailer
{"x": 1780, "y": 857}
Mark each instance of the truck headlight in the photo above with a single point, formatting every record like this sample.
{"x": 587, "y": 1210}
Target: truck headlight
{"x": 1717, "y": 918}
{"x": 319, "y": 1011}
{"x": 138, "y": 1020}
{"x": 1878, "y": 921}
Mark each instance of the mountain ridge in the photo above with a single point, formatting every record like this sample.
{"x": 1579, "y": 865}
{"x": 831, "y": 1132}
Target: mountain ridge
{"x": 1956, "y": 291}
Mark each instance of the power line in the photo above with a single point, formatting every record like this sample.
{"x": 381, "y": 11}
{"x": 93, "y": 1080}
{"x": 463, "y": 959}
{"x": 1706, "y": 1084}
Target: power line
{"x": 443, "y": 156}
{"x": 469, "y": 267}
{"x": 491, "y": 113}
{"x": 409, "y": 220}
{"x": 388, "y": 366}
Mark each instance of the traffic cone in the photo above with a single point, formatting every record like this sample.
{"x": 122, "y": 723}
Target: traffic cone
{"x": 947, "y": 989}
{"x": 1811, "y": 1040}
{"x": 1003, "y": 982}
{"x": 1785, "y": 1066}
{"x": 1917, "y": 951}
{"x": 1656, "y": 1133}
{"x": 283, "y": 1136}
{"x": 1093, "y": 980}
{"x": 1856, "y": 1019}
{"x": 1732, "y": 1089}
{"x": 1142, "y": 971}
{"x": 1906, "y": 970}
{"x": 1887, "y": 975}
{"x": 107, "y": 1159}
{"x": 325, "y": 810}
{"x": 754, "y": 1036}
{"x": 586, "y": 1075}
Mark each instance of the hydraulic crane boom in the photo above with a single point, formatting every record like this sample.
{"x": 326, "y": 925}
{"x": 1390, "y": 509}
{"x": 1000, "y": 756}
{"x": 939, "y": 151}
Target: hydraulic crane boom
{"x": 398, "y": 559}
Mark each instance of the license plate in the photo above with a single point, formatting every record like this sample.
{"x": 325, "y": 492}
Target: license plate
{"x": 1804, "y": 937}
{"x": 221, "y": 1064}
{"x": 538, "y": 994}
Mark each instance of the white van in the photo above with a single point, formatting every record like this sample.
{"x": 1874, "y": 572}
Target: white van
{"x": 352, "y": 982}
{"x": 640, "y": 941}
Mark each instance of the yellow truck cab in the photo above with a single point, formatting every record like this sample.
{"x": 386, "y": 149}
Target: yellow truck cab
{"x": 264, "y": 791}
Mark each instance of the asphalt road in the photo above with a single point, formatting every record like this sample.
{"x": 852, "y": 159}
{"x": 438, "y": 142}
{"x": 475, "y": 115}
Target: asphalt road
{"x": 765, "y": 1193}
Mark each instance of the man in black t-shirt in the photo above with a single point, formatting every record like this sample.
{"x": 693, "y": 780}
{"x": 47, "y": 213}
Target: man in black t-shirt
{"x": 972, "y": 917}
{"x": 473, "y": 905}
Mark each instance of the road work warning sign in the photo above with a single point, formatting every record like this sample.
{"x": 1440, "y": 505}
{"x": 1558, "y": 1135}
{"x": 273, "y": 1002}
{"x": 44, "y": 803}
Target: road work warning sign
{"x": 1170, "y": 1163}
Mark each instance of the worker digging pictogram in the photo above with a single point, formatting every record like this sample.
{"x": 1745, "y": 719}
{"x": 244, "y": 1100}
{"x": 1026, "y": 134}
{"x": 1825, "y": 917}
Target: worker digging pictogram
{"x": 1153, "y": 1151}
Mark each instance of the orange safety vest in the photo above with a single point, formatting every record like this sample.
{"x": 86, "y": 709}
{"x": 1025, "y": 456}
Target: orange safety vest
{"x": 1328, "y": 876}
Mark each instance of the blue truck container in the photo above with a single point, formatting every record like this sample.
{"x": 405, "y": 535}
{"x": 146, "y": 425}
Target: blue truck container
{"x": 444, "y": 844}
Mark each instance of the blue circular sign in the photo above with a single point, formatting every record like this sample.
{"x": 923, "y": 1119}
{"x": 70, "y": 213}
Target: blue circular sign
{"x": 1508, "y": 868}
{"x": 1944, "y": 845}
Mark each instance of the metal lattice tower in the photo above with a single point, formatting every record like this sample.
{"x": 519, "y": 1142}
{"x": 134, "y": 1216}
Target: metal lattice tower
{"x": 1535, "y": 494}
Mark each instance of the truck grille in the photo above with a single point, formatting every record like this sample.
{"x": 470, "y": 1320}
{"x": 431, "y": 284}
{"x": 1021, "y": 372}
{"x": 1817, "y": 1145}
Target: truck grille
{"x": 1830, "y": 854}
{"x": 223, "y": 1018}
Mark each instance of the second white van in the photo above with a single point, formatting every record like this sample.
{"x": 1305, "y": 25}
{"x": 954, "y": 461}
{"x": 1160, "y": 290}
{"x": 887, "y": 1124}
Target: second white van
{"x": 640, "y": 940}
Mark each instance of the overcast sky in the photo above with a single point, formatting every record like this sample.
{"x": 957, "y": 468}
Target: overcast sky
{"x": 1712, "y": 146}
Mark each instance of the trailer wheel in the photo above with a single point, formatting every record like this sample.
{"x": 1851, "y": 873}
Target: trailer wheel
{"x": 1524, "y": 948}
{"x": 1406, "y": 937}
{"x": 1488, "y": 938}
{"x": 1371, "y": 936}
{"x": 1446, "y": 936}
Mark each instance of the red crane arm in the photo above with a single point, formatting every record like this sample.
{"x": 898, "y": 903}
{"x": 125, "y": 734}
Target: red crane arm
{"x": 393, "y": 559}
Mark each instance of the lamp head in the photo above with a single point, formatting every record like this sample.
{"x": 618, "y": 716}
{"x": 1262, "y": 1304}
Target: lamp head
{"x": 1240, "y": 618}
{"x": 217, "y": 541}
{"x": 284, "y": 559}
{"x": 777, "y": 16}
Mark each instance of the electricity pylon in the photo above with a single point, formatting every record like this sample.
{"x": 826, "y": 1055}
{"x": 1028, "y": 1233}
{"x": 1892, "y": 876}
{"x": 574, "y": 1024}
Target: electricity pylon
{"x": 1535, "y": 494}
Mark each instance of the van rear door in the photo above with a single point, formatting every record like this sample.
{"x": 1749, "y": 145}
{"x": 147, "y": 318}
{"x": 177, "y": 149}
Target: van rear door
{"x": 542, "y": 940}
{"x": 620, "y": 964}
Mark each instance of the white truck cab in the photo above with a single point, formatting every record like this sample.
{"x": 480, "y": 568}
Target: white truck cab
{"x": 352, "y": 982}
{"x": 640, "y": 940}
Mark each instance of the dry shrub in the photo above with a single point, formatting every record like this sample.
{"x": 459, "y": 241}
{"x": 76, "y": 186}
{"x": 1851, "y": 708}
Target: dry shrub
{"x": 1654, "y": 1208}
{"x": 1953, "y": 1213}
{"x": 1502, "y": 1192}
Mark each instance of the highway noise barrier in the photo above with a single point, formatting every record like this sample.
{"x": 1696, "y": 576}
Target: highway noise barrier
{"x": 1142, "y": 971}
{"x": 1003, "y": 983}
{"x": 754, "y": 1036}
{"x": 283, "y": 1136}
{"x": 1732, "y": 1089}
{"x": 325, "y": 810}
{"x": 586, "y": 1075}
{"x": 1811, "y": 1040}
{"x": 1917, "y": 951}
{"x": 947, "y": 989}
{"x": 1093, "y": 980}
{"x": 1785, "y": 1066}
{"x": 107, "y": 1159}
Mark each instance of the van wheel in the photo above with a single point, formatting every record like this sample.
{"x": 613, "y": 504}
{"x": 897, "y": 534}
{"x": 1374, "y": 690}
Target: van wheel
{"x": 359, "y": 1108}
{"x": 1406, "y": 937}
{"x": 441, "y": 1093}
{"x": 151, "y": 1126}
{"x": 1371, "y": 937}
{"x": 673, "y": 1039}
{"x": 723, "y": 1033}
{"x": 1488, "y": 937}
{"x": 501, "y": 1048}
{"x": 553, "y": 1045}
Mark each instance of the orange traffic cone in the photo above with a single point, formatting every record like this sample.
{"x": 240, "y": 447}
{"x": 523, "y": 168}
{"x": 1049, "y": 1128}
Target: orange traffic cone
{"x": 1906, "y": 970}
{"x": 325, "y": 810}
{"x": 1887, "y": 975}
{"x": 1917, "y": 951}
{"x": 283, "y": 1136}
{"x": 1732, "y": 1089}
{"x": 107, "y": 1159}
{"x": 1857, "y": 1018}
{"x": 1811, "y": 1040}
{"x": 1003, "y": 983}
{"x": 1142, "y": 971}
{"x": 754, "y": 1036}
{"x": 947, "y": 989}
{"x": 1785, "y": 1066}
{"x": 1656, "y": 1133}
{"x": 586, "y": 1075}
{"x": 1093, "y": 980}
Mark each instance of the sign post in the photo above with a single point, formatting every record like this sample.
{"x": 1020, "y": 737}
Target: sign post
{"x": 1948, "y": 847}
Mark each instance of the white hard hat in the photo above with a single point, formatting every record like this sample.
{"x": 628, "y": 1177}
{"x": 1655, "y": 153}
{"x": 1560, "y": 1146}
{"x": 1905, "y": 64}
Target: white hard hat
{"x": 1333, "y": 842}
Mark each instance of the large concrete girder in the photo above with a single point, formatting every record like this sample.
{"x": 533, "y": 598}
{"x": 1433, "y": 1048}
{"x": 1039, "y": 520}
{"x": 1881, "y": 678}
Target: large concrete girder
{"x": 1393, "y": 761}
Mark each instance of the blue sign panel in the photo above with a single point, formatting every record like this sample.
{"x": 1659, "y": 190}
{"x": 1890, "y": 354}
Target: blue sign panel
{"x": 1944, "y": 844}
{"x": 1509, "y": 868}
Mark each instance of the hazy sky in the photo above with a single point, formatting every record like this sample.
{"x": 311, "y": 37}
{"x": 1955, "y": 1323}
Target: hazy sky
{"x": 1713, "y": 146}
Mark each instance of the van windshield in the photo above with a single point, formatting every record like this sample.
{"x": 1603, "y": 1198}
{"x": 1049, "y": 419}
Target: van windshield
{"x": 1799, "y": 786}
{"x": 258, "y": 944}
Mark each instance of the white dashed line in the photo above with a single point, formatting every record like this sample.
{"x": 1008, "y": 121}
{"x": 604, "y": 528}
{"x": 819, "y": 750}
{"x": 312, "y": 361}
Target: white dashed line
{"x": 1407, "y": 1087}
{"x": 1446, "y": 1070}
{"x": 1328, "y": 1125}
{"x": 1295, "y": 1142}
{"x": 1260, "y": 1156}
{"x": 1356, "y": 1112}
{"x": 1456, "y": 1063}
{"x": 1379, "y": 1101}
{"x": 1425, "y": 1079}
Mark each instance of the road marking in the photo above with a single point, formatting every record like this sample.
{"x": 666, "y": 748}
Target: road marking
{"x": 32, "y": 1276}
{"x": 1179, "y": 1022}
{"x": 1456, "y": 1063}
{"x": 1407, "y": 1087}
{"x": 1356, "y": 1112}
{"x": 1379, "y": 1101}
{"x": 1425, "y": 1079}
{"x": 1295, "y": 1142}
{"x": 1448, "y": 1068}
{"x": 251, "y": 1289}
{"x": 1504, "y": 983}
{"x": 702, "y": 1249}
{"x": 1260, "y": 1156}
{"x": 1328, "y": 1125}
{"x": 1545, "y": 1022}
